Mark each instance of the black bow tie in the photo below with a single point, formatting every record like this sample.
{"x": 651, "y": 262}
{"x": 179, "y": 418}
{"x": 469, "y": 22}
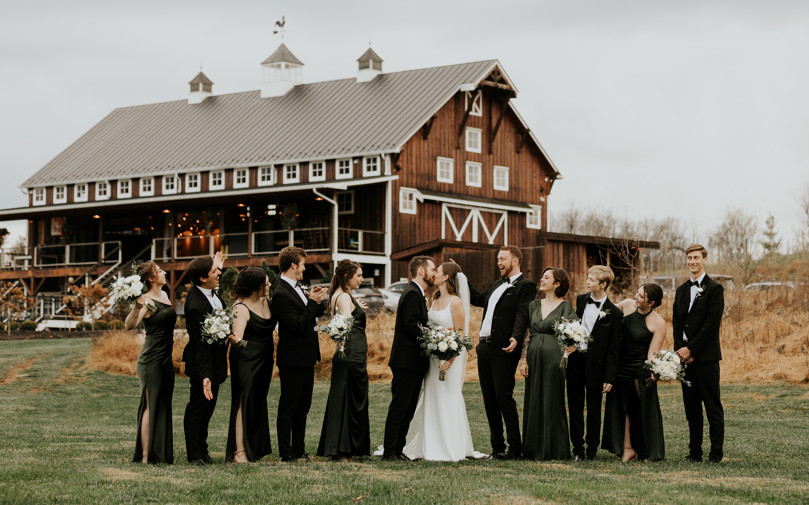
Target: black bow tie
{"x": 597, "y": 304}
{"x": 693, "y": 283}
{"x": 505, "y": 279}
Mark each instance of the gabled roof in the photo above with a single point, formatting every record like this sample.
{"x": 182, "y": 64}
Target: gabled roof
{"x": 370, "y": 54}
{"x": 324, "y": 120}
{"x": 200, "y": 78}
{"x": 282, "y": 55}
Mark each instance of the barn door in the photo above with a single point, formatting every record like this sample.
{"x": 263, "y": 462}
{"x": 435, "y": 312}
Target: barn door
{"x": 474, "y": 224}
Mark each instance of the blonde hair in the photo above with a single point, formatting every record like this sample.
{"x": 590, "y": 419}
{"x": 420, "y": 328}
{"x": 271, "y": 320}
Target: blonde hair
{"x": 602, "y": 274}
{"x": 697, "y": 248}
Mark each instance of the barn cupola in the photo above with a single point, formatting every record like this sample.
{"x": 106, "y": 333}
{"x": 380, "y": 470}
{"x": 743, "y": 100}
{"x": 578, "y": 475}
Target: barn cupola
{"x": 370, "y": 66}
{"x": 281, "y": 72}
{"x": 201, "y": 88}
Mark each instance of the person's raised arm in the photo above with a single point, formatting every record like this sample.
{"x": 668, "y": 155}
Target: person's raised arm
{"x": 139, "y": 312}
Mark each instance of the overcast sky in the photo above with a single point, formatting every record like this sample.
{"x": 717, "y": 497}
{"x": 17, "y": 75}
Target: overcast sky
{"x": 686, "y": 108}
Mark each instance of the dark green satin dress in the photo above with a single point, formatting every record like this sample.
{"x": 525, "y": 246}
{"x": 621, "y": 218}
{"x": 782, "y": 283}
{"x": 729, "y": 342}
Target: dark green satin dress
{"x": 633, "y": 397}
{"x": 545, "y": 431}
{"x": 156, "y": 376}
{"x": 346, "y": 429}
{"x": 250, "y": 375}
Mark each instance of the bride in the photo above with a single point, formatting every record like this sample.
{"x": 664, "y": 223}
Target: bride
{"x": 439, "y": 430}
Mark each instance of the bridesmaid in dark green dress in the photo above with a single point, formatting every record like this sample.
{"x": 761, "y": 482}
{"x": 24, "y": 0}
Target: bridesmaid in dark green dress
{"x": 250, "y": 368}
{"x": 633, "y": 425}
{"x": 154, "y": 442}
{"x": 346, "y": 429}
{"x": 545, "y": 431}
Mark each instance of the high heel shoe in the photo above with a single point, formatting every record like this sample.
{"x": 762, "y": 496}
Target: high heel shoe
{"x": 629, "y": 455}
{"x": 240, "y": 457}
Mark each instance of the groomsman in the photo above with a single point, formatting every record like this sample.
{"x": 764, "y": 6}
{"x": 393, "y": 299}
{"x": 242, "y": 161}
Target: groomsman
{"x": 407, "y": 362}
{"x": 505, "y": 313}
{"x": 697, "y": 315}
{"x": 591, "y": 373}
{"x": 205, "y": 364}
{"x": 298, "y": 351}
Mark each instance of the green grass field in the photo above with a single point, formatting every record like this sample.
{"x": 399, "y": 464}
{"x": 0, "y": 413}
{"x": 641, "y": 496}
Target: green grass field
{"x": 67, "y": 435}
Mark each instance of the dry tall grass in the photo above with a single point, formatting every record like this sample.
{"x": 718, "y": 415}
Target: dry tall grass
{"x": 765, "y": 338}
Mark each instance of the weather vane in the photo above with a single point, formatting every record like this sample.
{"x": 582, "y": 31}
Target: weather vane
{"x": 279, "y": 28}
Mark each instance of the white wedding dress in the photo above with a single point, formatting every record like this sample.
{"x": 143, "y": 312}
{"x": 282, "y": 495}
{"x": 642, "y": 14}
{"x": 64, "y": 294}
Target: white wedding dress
{"x": 439, "y": 430}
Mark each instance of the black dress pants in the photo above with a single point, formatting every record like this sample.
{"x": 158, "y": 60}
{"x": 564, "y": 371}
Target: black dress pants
{"x": 584, "y": 384}
{"x": 293, "y": 407}
{"x": 496, "y": 374}
{"x": 704, "y": 378}
{"x": 198, "y": 415}
{"x": 405, "y": 389}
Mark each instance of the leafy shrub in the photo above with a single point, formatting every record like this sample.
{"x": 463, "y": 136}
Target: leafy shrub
{"x": 102, "y": 325}
{"x": 116, "y": 324}
{"x": 28, "y": 325}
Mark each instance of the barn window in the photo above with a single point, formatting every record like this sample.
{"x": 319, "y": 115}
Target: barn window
{"x": 124, "y": 188}
{"x": 344, "y": 169}
{"x": 265, "y": 177}
{"x": 370, "y": 166}
{"x": 240, "y": 178}
{"x": 500, "y": 178}
{"x": 39, "y": 196}
{"x": 59, "y": 194}
{"x": 446, "y": 170}
{"x": 192, "y": 184}
{"x": 102, "y": 190}
{"x": 317, "y": 171}
{"x": 80, "y": 192}
{"x": 407, "y": 201}
{"x": 169, "y": 184}
{"x": 291, "y": 174}
{"x": 533, "y": 219}
{"x": 147, "y": 186}
{"x": 473, "y": 136}
{"x": 477, "y": 103}
{"x": 345, "y": 202}
{"x": 217, "y": 180}
{"x": 474, "y": 174}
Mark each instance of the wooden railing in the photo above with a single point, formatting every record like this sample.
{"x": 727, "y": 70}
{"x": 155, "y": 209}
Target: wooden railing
{"x": 86, "y": 253}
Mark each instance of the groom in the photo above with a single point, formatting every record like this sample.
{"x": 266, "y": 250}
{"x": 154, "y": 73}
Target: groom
{"x": 696, "y": 316}
{"x": 407, "y": 362}
{"x": 505, "y": 316}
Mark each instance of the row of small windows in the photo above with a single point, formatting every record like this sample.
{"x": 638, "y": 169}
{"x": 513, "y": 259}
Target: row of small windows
{"x": 474, "y": 174}
{"x": 193, "y": 181}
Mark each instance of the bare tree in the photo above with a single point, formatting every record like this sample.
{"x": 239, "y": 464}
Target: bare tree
{"x": 735, "y": 241}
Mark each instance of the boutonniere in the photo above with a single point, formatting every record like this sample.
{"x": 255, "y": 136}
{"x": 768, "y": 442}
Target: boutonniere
{"x": 699, "y": 291}
{"x": 215, "y": 290}
{"x": 603, "y": 314}
{"x": 303, "y": 287}
{"x": 510, "y": 284}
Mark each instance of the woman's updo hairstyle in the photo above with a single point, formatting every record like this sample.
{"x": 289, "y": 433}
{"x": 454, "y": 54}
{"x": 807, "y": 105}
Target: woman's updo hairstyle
{"x": 344, "y": 270}
{"x": 147, "y": 271}
{"x": 654, "y": 294}
{"x": 249, "y": 280}
{"x": 562, "y": 278}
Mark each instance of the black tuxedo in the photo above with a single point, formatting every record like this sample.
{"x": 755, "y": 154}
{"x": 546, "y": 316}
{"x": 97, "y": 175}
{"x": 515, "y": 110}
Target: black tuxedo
{"x": 588, "y": 371}
{"x": 496, "y": 368}
{"x": 701, "y": 327}
{"x": 202, "y": 361}
{"x": 408, "y": 364}
{"x": 298, "y": 351}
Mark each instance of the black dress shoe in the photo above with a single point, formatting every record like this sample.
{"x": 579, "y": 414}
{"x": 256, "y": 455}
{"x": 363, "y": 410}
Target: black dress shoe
{"x": 498, "y": 455}
{"x": 591, "y": 456}
{"x": 198, "y": 462}
{"x": 691, "y": 459}
{"x": 207, "y": 459}
{"x": 577, "y": 458}
{"x": 714, "y": 460}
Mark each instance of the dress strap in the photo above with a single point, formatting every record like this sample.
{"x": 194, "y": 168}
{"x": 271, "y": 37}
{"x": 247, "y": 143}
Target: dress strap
{"x": 334, "y": 308}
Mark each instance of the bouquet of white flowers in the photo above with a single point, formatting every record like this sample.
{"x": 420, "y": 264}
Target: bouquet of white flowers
{"x": 443, "y": 343}
{"x": 127, "y": 289}
{"x": 338, "y": 328}
{"x": 570, "y": 332}
{"x": 218, "y": 326}
{"x": 666, "y": 366}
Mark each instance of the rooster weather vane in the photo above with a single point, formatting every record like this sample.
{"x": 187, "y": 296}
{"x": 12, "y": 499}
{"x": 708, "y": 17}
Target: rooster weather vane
{"x": 279, "y": 28}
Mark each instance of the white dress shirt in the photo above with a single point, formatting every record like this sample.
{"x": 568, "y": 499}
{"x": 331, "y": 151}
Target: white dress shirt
{"x": 590, "y": 316}
{"x": 212, "y": 299}
{"x": 486, "y": 325}
{"x": 297, "y": 289}
{"x": 693, "y": 292}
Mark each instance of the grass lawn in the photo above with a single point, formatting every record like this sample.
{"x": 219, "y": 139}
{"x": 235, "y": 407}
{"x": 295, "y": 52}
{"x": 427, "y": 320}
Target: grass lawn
{"x": 67, "y": 435}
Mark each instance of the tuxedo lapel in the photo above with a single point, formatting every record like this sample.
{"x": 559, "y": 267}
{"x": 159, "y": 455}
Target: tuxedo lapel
{"x": 203, "y": 299}
{"x": 581, "y": 304}
{"x": 292, "y": 292}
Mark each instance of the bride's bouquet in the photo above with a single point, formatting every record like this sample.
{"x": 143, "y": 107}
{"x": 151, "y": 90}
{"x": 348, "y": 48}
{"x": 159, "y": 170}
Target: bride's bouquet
{"x": 666, "y": 366}
{"x": 127, "y": 289}
{"x": 443, "y": 343}
{"x": 218, "y": 326}
{"x": 338, "y": 329}
{"x": 570, "y": 333}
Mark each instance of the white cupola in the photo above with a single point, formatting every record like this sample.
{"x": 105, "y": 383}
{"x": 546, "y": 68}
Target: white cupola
{"x": 281, "y": 72}
{"x": 201, "y": 88}
{"x": 370, "y": 66}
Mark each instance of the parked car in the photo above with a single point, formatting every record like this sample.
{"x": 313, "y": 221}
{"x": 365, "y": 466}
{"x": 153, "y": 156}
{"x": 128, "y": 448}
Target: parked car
{"x": 398, "y": 286}
{"x": 764, "y": 286}
{"x": 373, "y": 298}
{"x": 391, "y": 299}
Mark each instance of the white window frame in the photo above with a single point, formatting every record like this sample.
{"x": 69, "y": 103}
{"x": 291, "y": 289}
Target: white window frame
{"x": 451, "y": 162}
{"x": 242, "y": 171}
{"x": 495, "y": 185}
{"x": 407, "y": 196}
{"x": 80, "y": 192}
{"x": 39, "y": 196}
{"x": 350, "y": 194}
{"x": 124, "y": 194}
{"x": 106, "y": 194}
{"x": 143, "y": 191}
{"x": 266, "y": 176}
{"x": 322, "y": 167}
{"x": 193, "y": 182}
{"x": 533, "y": 219}
{"x": 349, "y": 163}
{"x": 471, "y": 135}
{"x": 166, "y": 190}
{"x": 479, "y": 167}
{"x": 366, "y": 164}
{"x": 292, "y": 173}
{"x": 477, "y": 103}
{"x": 58, "y": 199}
{"x": 213, "y": 175}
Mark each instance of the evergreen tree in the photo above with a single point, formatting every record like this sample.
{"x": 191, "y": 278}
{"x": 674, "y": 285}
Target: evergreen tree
{"x": 771, "y": 242}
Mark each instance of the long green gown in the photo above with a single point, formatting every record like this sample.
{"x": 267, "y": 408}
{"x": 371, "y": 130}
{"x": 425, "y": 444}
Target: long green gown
{"x": 545, "y": 431}
{"x": 346, "y": 428}
{"x": 250, "y": 375}
{"x": 156, "y": 376}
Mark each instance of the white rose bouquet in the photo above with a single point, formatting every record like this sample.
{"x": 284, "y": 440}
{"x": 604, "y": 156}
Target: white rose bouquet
{"x": 127, "y": 289}
{"x": 218, "y": 326}
{"x": 570, "y": 332}
{"x": 443, "y": 343}
{"x": 666, "y": 366}
{"x": 338, "y": 328}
